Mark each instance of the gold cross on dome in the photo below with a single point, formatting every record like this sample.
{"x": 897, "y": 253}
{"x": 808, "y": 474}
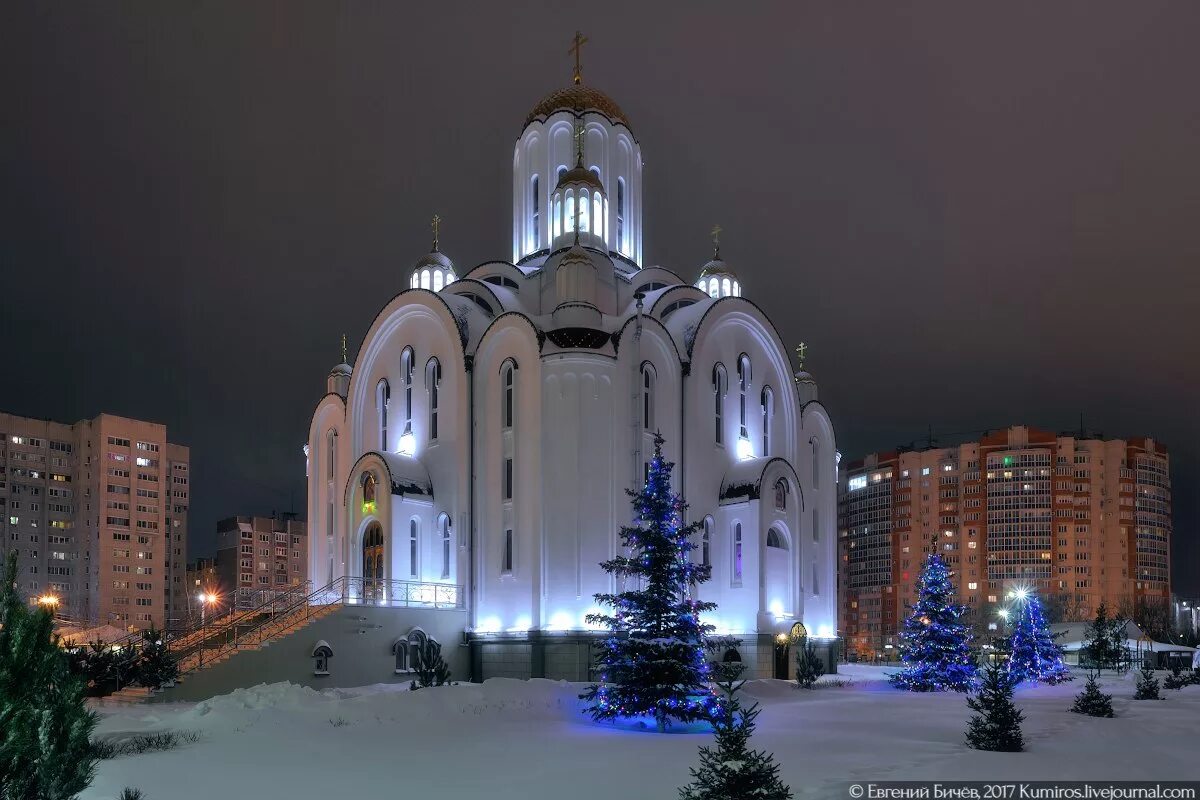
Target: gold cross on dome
{"x": 580, "y": 135}
{"x": 577, "y": 50}
{"x": 437, "y": 221}
{"x": 716, "y": 237}
{"x": 801, "y": 351}
{"x": 344, "y": 348}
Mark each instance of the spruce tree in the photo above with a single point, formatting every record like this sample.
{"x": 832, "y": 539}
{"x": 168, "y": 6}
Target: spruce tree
{"x": 809, "y": 666}
{"x": 934, "y": 640}
{"x": 1033, "y": 655}
{"x": 653, "y": 662}
{"x": 1092, "y": 701}
{"x": 1175, "y": 680}
{"x": 1104, "y": 641}
{"x": 156, "y": 665}
{"x": 997, "y": 722}
{"x": 1147, "y": 686}
{"x": 732, "y": 769}
{"x": 45, "y": 753}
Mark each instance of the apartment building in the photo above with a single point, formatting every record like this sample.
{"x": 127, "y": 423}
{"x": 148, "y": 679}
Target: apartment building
{"x": 96, "y": 512}
{"x": 261, "y": 553}
{"x": 1082, "y": 519}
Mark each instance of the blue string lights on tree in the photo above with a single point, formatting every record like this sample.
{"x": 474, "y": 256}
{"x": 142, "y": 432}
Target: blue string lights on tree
{"x": 653, "y": 663}
{"x": 935, "y": 643}
{"x": 1033, "y": 654}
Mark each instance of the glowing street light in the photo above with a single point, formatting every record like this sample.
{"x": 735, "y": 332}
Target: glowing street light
{"x": 207, "y": 599}
{"x": 48, "y": 601}
{"x": 1003, "y": 614}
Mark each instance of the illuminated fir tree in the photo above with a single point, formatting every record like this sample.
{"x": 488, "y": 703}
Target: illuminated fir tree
{"x": 1033, "y": 654}
{"x": 653, "y": 663}
{"x": 935, "y": 642}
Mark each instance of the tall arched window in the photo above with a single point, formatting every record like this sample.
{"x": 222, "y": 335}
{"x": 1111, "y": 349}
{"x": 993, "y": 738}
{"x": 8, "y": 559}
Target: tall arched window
{"x": 720, "y": 383}
{"x": 414, "y": 549}
{"x": 508, "y": 399}
{"x": 330, "y": 453}
{"x": 781, "y": 493}
{"x": 743, "y": 385}
{"x": 535, "y": 189}
{"x": 569, "y": 217}
{"x": 737, "y": 553}
{"x": 768, "y": 410}
{"x": 406, "y": 375}
{"x": 706, "y": 543}
{"x": 557, "y": 215}
{"x": 383, "y": 396}
{"x": 816, "y": 463}
{"x": 598, "y": 215}
{"x": 425, "y": 284}
{"x": 775, "y": 539}
{"x": 433, "y": 383}
{"x": 445, "y": 536}
{"x": 648, "y": 396}
{"x": 621, "y": 215}
{"x": 584, "y": 210}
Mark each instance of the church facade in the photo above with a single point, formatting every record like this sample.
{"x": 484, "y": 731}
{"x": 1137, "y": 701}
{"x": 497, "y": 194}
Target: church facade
{"x": 478, "y": 450}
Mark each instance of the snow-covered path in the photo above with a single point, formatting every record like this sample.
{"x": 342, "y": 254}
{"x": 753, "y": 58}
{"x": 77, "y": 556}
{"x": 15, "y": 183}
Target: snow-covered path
{"x": 508, "y": 739}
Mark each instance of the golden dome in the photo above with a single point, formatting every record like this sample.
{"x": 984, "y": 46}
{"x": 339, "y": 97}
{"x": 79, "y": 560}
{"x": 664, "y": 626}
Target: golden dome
{"x": 717, "y": 267}
{"x": 578, "y": 99}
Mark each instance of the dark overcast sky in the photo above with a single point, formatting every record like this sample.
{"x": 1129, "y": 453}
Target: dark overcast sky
{"x": 976, "y": 214}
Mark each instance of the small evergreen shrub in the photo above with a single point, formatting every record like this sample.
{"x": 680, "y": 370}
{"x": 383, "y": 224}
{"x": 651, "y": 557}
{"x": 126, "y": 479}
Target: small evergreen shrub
{"x": 1176, "y": 679}
{"x": 997, "y": 721}
{"x": 731, "y": 769}
{"x": 129, "y": 793}
{"x": 1147, "y": 686}
{"x": 809, "y": 665}
{"x": 1092, "y": 701}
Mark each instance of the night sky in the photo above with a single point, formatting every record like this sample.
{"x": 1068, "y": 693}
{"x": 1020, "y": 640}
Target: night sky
{"x": 975, "y": 214}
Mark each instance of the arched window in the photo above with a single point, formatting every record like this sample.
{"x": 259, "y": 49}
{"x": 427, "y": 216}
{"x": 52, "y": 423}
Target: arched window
{"x": 557, "y": 215}
{"x": 584, "y": 210}
{"x": 445, "y": 525}
{"x": 621, "y": 215}
{"x": 406, "y": 376}
{"x": 537, "y": 206}
{"x": 598, "y": 215}
{"x": 737, "y": 553}
{"x": 433, "y": 383}
{"x": 414, "y": 549}
{"x": 648, "y": 397}
{"x": 416, "y": 280}
{"x": 558, "y": 175}
{"x": 500, "y": 280}
{"x": 781, "y": 493}
{"x": 330, "y": 453}
{"x": 507, "y": 555}
{"x": 506, "y": 404}
{"x": 816, "y": 463}
{"x": 673, "y": 307}
{"x": 775, "y": 539}
{"x": 768, "y": 410}
{"x": 725, "y": 287}
{"x": 706, "y": 543}
{"x": 438, "y": 280}
{"x": 743, "y": 385}
{"x": 383, "y": 396}
{"x": 714, "y": 288}
{"x": 720, "y": 384}
{"x": 425, "y": 279}
{"x": 569, "y": 217}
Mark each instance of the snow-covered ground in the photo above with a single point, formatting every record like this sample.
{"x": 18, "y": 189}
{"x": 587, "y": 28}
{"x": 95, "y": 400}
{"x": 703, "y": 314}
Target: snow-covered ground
{"x": 521, "y": 739}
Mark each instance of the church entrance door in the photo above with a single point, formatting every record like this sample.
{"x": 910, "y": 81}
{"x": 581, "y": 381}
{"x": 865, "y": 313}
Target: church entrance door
{"x": 784, "y": 644}
{"x": 372, "y": 564}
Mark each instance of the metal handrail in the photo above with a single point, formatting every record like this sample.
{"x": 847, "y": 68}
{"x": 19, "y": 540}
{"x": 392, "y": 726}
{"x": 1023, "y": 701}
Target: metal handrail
{"x": 340, "y": 591}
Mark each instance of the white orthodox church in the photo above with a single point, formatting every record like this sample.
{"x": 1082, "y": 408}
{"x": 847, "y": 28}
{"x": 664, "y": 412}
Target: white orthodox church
{"x": 477, "y": 451}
